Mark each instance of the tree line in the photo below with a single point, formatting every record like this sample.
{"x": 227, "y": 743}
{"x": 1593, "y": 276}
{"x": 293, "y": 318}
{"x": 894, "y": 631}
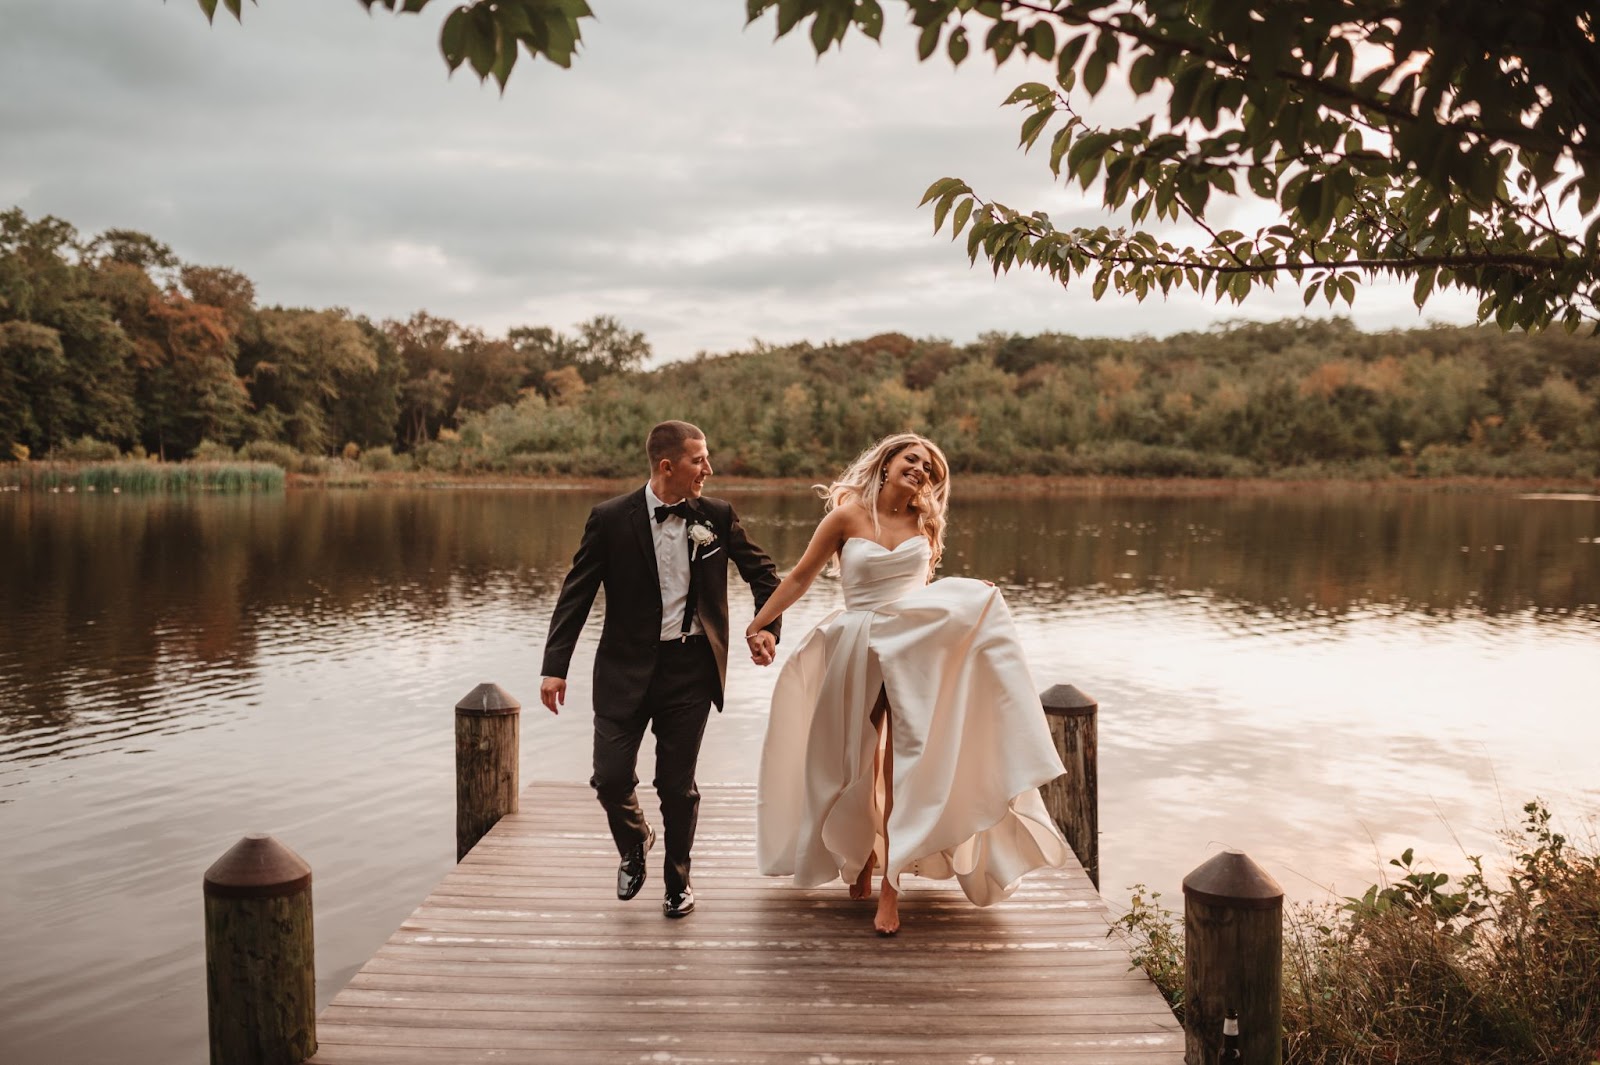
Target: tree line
{"x": 111, "y": 345}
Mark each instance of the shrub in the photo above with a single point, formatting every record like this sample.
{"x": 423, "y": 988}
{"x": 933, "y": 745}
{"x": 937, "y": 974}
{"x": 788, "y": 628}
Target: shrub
{"x": 382, "y": 459}
{"x": 1413, "y": 971}
{"x": 282, "y": 456}
{"x": 87, "y": 449}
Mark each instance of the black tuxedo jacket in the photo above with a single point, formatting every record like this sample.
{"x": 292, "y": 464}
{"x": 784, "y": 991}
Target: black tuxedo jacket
{"x": 618, "y": 553}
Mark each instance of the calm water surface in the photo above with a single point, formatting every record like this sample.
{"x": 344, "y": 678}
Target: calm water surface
{"x": 1321, "y": 679}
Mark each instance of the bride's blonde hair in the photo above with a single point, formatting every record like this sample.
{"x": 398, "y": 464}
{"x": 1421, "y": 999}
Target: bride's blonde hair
{"x": 861, "y": 481}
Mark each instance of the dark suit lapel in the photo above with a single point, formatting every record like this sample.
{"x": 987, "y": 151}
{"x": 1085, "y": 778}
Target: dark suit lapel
{"x": 639, "y": 518}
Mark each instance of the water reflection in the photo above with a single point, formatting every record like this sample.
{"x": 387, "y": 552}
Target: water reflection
{"x": 117, "y": 603}
{"x": 1322, "y": 678}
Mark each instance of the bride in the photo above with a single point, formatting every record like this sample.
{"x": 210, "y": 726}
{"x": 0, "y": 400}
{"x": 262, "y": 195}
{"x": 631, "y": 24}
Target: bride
{"x": 905, "y": 731}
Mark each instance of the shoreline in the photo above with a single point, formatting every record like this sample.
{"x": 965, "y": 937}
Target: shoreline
{"x": 140, "y": 477}
{"x": 984, "y": 485}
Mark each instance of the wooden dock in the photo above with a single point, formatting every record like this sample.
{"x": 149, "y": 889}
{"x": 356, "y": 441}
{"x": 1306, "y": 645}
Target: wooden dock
{"x": 523, "y": 954}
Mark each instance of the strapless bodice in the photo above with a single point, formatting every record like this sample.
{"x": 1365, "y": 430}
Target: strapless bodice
{"x": 872, "y": 576}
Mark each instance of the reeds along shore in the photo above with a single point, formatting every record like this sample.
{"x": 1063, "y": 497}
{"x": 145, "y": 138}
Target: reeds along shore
{"x": 1421, "y": 971}
{"x": 136, "y": 476}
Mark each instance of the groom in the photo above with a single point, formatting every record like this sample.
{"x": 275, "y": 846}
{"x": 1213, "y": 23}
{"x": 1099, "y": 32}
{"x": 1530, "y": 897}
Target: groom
{"x": 662, "y": 555}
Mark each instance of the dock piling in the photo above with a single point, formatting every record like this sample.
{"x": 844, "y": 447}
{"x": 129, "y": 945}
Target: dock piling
{"x": 487, "y": 755}
{"x": 1233, "y": 959}
{"x": 261, "y": 983}
{"x": 1074, "y": 799}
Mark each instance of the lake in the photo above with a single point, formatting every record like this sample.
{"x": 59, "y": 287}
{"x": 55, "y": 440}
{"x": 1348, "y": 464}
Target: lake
{"x": 1321, "y": 677}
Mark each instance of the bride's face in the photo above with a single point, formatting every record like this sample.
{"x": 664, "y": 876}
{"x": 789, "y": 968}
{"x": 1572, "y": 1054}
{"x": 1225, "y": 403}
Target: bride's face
{"x": 912, "y": 467}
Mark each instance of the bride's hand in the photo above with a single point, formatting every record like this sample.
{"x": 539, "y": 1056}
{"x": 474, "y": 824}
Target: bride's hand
{"x": 763, "y": 648}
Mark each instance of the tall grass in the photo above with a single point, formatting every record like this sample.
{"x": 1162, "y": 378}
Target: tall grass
{"x": 1488, "y": 974}
{"x": 143, "y": 477}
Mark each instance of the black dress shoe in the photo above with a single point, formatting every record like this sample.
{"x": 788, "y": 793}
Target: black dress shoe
{"x": 679, "y": 903}
{"x": 630, "y": 874}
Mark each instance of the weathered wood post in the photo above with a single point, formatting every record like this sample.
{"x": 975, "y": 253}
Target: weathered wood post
{"x": 261, "y": 981}
{"x": 1074, "y": 799}
{"x": 1233, "y": 959}
{"x": 487, "y": 724}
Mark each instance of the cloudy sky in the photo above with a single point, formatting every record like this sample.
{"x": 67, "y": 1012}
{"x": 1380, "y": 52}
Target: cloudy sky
{"x": 687, "y": 175}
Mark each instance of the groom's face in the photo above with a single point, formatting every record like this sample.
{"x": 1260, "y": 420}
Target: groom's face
{"x": 686, "y": 474}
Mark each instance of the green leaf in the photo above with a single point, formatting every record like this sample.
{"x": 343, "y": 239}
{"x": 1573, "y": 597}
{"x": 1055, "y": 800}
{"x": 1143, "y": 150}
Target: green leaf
{"x": 513, "y": 19}
{"x": 1033, "y": 125}
{"x": 210, "y": 9}
{"x": 790, "y": 12}
{"x": 1424, "y": 287}
{"x": 1058, "y": 147}
{"x": 453, "y": 38}
{"x": 1071, "y": 51}
{"x": 480, "y": 40}
{"x": 1184, "y": 90}
{"x": 822, "y": 31}
{"x": 1029, "y": 91}
{"x": 929, "y": 40}
{"x": 505, "y": 59}
{"x": 957, "y": 46}
{"x": 869, "y": 16}
{"x": 1042, "y": 40}
{"x": 235, "y": 9}
{"x": 939, "y": 188}
{"x": 963, "y": 212}
{"x": 1142, "y": 78}
{"x": 1094, "y": 74}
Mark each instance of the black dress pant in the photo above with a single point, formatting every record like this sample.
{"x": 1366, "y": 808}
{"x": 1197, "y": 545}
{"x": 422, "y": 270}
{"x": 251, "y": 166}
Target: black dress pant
{"x": 675, "y": 708}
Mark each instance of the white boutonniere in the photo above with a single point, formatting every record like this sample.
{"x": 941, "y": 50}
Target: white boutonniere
{"x": 701, "y": 537}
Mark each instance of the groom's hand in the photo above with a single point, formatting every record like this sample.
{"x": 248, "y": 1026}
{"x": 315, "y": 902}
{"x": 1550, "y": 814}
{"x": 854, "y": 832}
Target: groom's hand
{"x": 763, "y": 647}
{"x": 552, "y": 693}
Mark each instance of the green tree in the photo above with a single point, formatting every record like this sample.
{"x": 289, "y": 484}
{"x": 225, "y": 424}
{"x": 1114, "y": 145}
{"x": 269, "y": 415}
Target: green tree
{"x": 1452, "y": 143}
{"x": 64, "y": 359}
{"x": 368, "y": 404}
{"x": 297, "y": 364}
{"x": 425, "y": 344}
{"x": 181, "y": 354}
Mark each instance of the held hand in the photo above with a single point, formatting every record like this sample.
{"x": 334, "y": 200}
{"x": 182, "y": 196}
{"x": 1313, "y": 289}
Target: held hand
{"x": 553, "y": 693}
{"x": 763, "y": 647}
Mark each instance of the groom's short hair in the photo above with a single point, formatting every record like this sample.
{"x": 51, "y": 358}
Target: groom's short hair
{"x": 667, "y": 439}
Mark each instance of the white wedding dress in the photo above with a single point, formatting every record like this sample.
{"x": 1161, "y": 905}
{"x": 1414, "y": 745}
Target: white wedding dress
{"x": 971, "y": 747}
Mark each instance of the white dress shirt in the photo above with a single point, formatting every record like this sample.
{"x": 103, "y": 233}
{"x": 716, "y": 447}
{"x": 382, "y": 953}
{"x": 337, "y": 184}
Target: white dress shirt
{"x": 672, "y": 564}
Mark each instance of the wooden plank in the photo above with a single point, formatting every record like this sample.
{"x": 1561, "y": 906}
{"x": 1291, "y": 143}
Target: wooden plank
{"x": 554, "y": 981}
{"x": 364, "y": 1054}
{"x": 804, "y": 1040}
{"x": 745, "y": 1011}
{"x": 521, "y": 952}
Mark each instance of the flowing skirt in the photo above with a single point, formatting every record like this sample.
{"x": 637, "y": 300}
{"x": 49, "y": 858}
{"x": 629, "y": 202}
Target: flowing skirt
{"x": 970, "y": 744}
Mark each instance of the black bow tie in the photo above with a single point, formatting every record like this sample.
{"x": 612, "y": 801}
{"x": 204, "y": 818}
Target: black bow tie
{"x": 682, "y": 510}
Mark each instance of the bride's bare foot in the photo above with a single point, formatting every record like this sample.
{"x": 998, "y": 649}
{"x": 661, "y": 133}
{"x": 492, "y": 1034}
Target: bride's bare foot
{"x": 862, "y": 888}
{"x": 887, "y": 921}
